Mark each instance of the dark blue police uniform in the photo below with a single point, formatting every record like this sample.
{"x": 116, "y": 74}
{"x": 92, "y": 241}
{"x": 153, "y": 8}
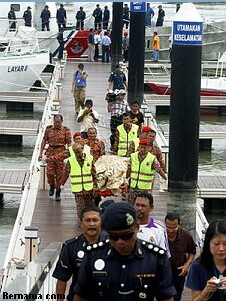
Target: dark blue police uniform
{"x": 140, "y": 276}
{"x": 70, "y": 259}
{"x": 118, "y": 79}
{"x": 143, "y": 274}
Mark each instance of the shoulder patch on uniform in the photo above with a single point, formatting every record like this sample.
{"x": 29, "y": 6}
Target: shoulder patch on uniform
{"x": 97, "y": 245}
{"x": 153, "y": 248}
{"x": 70, "y": 241}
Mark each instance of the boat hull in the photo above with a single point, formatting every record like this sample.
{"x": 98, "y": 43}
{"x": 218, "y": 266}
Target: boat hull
{"x": 19, "y": 72}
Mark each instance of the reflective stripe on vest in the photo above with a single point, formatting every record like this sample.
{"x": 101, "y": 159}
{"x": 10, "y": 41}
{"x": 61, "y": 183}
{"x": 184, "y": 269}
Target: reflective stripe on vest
{"x": 142, "y": 174}
{"x": 81, "y": 177}
{"x": 125, "y": 138}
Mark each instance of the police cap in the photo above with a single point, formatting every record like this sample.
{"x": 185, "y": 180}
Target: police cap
{"x": 119, "y": 216}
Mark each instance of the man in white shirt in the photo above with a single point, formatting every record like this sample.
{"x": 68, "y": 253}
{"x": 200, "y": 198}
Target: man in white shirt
{"x": 88, "y": 118}
{"x": 151, "y": 229}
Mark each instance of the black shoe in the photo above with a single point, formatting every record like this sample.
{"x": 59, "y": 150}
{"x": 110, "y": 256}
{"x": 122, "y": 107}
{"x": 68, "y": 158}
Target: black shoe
{"x": 57, "y": 196}
{"x": 51, "y": 190}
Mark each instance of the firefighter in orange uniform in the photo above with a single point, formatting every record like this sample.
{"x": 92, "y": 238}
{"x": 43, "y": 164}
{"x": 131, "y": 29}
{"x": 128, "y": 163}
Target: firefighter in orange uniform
{"x": 57, "y": 137}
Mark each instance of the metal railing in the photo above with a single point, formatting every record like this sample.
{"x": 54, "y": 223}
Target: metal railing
{"x": 16, "y": 249}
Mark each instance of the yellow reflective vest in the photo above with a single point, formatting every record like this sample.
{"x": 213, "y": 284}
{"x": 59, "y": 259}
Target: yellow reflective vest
{"x": 142, "y": 174}
{"x": 81, "y": 177}
{"x": 125, "y": 138}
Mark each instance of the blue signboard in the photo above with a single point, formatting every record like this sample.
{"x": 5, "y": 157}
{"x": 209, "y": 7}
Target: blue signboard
{"x": 187, "y": 33}
{"x": 138, "y": 7}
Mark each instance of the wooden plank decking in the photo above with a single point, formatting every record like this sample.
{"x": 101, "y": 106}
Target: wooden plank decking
{"x": 164, "y": 100}
{"x": 210, "y": 131}
{"x": 29, "y": 97}
{"x": 12, "y": 180}
{"x": 57, "y": 221}
{"x": 212, "y": 187}
{"x": 19, "y": 127}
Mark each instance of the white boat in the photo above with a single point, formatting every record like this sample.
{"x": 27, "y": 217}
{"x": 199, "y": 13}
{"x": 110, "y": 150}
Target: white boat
{"x": 21, "y": 61}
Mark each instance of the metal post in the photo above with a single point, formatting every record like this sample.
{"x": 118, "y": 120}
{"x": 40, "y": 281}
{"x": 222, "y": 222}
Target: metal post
{"x": 116, "y": 35}
{"x": 58, "y": 91}
{"x": 184, "y": 114}
{"x": 31, "y": 243}
{"x": 62, "y": 70}
{"x": 64, "y": 55}
{"x": 136, "y": 52}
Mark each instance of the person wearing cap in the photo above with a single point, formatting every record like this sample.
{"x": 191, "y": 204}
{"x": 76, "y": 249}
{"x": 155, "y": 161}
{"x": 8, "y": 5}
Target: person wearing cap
{"x": 126, "y": 15}
{"x": 161, "y": 16}
{"x": 125, "y": 133}
{"x": 78, "y": 88}
{"x": 125, "y": 267}
{"x": 116, "y": 107}
{"x": 61, "y": 17}
{"x": 45, "y": 16}
{"x": 150, "y": 228}
{"x": 117, "y": 79}
{"x": 77, "y": 138}
{"x": 74, "y": 249}
{"x": 141, "y": 170}
{"x": 27, "y": 16}
{"x": 82, "y": 177}
{"x": 97, "y": 147}
{"x": 80, "y": 17}
{"x": 97, "y": 14}
{"x": 148, "y": 133}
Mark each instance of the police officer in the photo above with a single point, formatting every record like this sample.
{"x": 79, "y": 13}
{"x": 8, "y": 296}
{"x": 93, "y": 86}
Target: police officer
{"x": 125, "y": 268}
{"x": 117, "y": 79}
{"x": 73, "y": 250}
{"x": 27, "y": 16}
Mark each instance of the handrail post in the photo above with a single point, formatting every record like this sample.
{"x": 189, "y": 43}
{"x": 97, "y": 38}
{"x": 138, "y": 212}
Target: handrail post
{"x": 31, "y": 243}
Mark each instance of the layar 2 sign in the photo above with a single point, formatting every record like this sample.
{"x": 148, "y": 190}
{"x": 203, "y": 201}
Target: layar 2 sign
{"x": 187, "y": 33}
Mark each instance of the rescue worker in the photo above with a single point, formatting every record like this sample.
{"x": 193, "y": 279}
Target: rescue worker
{"x": 97, "y": 147}
{"x": 82, "y": 177}
{"x": 125, "y": 133}
{"x": 77, "y": 138}
{"x": 150, "y": 134}
{"x": 125, "y": 267}
{"x": 27, "y": 16}
{"x": 141, "y": 170}
{"x": 74, "y": 249}
{"x": 57, "y": 137}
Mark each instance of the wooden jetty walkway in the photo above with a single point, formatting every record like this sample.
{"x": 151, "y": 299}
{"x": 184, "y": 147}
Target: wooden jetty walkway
{"x": 12, "y": 180}
{"x": 27, "y": 97}
{"x": 19, "y": 127}
{"x": 57, "y": 221}
{"x": 210, "y": 131}
{"x": 164, "y": 100}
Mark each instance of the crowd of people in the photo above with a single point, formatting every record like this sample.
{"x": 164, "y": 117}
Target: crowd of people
{"x": 123, "y": 250}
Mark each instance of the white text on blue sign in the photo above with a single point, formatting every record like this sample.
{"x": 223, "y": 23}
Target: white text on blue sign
{"x": 187, "y": 33}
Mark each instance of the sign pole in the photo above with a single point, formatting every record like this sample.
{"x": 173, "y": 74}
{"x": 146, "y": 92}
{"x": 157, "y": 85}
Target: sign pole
{"x": 136, "y": 52}
{"x": 184, "y": 114}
